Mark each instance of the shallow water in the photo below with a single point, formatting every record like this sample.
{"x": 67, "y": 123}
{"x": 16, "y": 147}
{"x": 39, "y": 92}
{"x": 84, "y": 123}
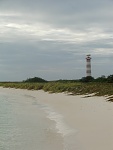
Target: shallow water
{"x": 27, "y": 124}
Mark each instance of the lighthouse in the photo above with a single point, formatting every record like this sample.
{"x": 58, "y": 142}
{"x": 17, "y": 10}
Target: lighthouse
{"x": 88, "y": 65}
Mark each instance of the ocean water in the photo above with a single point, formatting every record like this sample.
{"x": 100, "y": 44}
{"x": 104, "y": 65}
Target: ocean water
{"x": 27, "y": 124}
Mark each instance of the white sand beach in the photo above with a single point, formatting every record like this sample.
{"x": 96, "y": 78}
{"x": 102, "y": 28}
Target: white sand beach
{"x": 79, "y": 123}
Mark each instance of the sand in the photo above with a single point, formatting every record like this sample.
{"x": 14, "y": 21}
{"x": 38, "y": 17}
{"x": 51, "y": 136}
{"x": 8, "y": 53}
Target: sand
{"x": 84, "y": 123}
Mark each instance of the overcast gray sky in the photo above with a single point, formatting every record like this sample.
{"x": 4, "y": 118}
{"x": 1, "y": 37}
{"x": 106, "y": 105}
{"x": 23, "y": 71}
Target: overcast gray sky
{"x": 51, "y": 38}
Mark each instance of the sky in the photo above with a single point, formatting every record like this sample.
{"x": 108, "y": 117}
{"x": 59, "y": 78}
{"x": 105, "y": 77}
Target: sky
{"x": 51, "y": 38}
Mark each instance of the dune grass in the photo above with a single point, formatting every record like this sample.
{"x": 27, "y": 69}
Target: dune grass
{"x": 76, "y": 88}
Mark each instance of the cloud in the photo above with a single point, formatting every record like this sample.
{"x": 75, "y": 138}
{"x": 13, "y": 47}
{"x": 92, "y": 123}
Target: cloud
{"x": 51, "y": 38}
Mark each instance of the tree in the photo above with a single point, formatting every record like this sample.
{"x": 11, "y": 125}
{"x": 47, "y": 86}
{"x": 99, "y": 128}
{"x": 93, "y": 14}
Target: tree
{"x": 110, "y": 79}
{"x": 101, "y": 79}
{"x": 87, "y": 79}
{"x": 35, "y": 79}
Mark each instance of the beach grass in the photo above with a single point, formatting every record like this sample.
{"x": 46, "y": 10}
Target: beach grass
{"x": 75, "y": 88}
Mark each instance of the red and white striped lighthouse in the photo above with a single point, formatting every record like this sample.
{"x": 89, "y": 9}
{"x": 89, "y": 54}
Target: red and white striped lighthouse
{"x": 88, "y": 66}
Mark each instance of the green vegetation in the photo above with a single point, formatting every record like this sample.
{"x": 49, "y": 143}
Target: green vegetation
{"x": 101, "y": 79}
{"x": 75, "y": 88}
{"x": 35, "y": 79}
{"x": 102, "y": 86}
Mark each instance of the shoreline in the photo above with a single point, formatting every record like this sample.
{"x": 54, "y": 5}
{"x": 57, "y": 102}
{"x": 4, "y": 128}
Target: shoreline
{"x": 90, "y": 119}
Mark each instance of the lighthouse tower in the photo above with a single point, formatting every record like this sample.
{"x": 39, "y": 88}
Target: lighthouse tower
{"x": 88, "y": 66}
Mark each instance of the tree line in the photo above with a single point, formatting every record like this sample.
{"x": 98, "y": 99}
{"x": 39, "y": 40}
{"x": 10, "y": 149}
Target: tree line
{"x": 108, "y": 79}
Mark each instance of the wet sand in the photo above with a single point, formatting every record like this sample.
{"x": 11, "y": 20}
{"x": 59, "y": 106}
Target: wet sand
{"x": 81, "y": 123}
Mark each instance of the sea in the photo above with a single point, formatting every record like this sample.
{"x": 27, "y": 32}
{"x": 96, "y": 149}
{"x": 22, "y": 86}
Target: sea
{"x": 28, "y": 124}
